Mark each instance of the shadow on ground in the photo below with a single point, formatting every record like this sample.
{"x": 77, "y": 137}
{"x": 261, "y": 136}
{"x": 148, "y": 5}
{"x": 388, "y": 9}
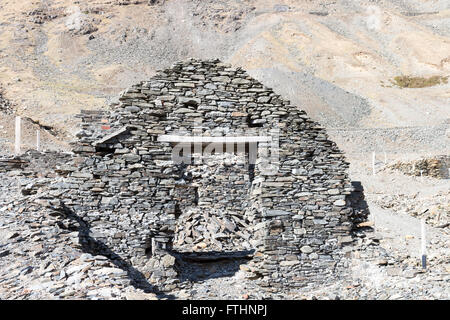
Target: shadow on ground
{"x": 200, "y": 266}
{"x": 360, "y": 208}
{"x": 193, "y": 267}
{"x": 95, "y": 247}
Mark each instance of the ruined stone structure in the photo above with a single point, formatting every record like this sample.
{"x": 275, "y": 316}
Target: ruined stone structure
{"x": 273, "y": 188}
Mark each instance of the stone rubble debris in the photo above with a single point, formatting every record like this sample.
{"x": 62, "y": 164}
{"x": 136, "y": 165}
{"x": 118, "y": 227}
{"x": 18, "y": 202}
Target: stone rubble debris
{"x": 436, "y": 167}
{"x": 117, "y": 219}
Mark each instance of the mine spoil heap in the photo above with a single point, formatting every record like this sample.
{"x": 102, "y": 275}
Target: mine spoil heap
{"x": 137, "y": 204}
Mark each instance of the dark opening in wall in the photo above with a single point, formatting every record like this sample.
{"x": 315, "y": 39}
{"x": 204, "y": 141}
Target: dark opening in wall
{"x": 191, "y": 103}
{"x": 196, "y": 196}
{"x": 177, "y": 210}
{"x": 251, "y": 123}
{"x": 251, "y": 172}
{"x": 105, "y": 149}
{"x": 148, "y": 248}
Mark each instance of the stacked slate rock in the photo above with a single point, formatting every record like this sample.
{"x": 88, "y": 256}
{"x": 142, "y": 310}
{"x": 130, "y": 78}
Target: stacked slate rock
{"x": 9, "y": 164}
{"x": 125, "y": 186}
{"x": 32, "y": 163}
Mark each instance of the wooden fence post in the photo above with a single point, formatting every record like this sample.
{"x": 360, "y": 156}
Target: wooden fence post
{"x": 18, "y": 136}
{"x": 423, "y": 244}
{"x": 373, "y": 163}
{"x": 38, "y": 140}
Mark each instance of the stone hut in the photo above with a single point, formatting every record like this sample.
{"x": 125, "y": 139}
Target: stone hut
{"x": 203, "y": 160}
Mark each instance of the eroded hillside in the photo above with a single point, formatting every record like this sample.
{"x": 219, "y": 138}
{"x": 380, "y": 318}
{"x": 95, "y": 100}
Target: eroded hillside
{"x": 333, "y": 59}
{"x": 347, "y": 63}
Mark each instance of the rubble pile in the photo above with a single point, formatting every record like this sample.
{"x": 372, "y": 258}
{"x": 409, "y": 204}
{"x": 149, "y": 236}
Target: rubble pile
{"x": 437, "y": 167}
{"x": 201, "y": 231}
{"x": 5, "y": 105}
{"x": 44, "y": 14}
{"x": 42, "y": 254}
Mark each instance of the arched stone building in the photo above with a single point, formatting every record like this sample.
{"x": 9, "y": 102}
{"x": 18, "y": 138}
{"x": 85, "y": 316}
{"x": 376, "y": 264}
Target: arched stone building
{"x": 278, "y": 188}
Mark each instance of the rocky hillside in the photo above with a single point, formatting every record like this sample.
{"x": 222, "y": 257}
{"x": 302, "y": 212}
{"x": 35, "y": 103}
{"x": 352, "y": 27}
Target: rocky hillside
{"x": 375, "y": 73}
{"x": 334, "y": 59}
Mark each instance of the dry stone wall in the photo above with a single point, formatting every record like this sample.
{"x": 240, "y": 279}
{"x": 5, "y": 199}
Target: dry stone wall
{"x": 125, "y": 185}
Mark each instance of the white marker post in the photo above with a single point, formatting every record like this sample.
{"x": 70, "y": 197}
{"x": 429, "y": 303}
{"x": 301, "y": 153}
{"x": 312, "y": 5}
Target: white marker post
{"x": 424, "y": 246}
{"x": 38, "y": 140}
{"x": 373, "y": 163}
{"x": 385, "y": 158}
{"x": 18, "y": 132}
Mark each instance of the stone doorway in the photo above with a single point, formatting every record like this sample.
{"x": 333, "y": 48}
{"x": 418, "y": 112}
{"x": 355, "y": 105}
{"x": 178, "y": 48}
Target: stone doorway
{"x": 218, "y": 217}
{"x": 216, "y": 229}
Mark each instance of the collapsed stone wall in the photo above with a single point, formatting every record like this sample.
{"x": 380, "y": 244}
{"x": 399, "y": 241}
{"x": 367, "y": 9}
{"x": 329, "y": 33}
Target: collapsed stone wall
{"x": 11, "y": 164}
{"x": 436, "y": 167}
{"x": 126, "y": 187}
{"x": 36, "y": 163}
